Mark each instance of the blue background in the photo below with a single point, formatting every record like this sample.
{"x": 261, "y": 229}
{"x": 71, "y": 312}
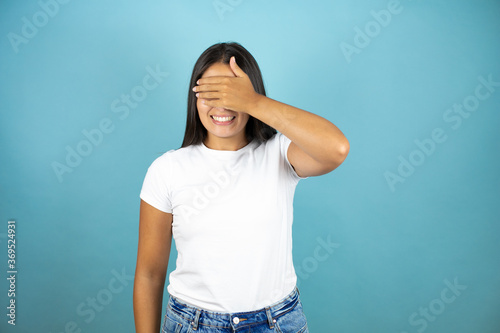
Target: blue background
{"x": 396, "y": 248}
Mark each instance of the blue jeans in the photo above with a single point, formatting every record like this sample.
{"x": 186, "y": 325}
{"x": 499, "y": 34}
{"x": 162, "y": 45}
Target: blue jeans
{"x": 285, "y": 316}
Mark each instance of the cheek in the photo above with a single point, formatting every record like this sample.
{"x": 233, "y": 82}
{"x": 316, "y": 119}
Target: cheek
{"x": 245, "y": 118}
{"x": 202, "y": 108}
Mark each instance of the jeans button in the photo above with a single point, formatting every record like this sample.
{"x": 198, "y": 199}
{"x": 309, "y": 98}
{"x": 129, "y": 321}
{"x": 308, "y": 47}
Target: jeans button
{"x": 236, "y": 320}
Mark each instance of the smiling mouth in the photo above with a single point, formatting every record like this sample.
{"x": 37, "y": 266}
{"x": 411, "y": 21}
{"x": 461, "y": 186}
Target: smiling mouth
{"x": 223, "y": 119}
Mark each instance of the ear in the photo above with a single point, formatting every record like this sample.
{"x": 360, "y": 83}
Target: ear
{"x": 235, "y": 68}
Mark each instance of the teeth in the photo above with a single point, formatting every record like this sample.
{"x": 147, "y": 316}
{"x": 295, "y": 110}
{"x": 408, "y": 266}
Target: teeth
{"x": 222, "y": 119}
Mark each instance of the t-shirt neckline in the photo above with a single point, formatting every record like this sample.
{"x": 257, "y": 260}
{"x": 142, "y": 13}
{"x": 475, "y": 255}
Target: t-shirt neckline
{"x": 227, "y": 153}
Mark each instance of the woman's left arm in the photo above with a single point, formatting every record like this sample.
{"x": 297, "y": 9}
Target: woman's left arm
{"x": 317, "y": 146}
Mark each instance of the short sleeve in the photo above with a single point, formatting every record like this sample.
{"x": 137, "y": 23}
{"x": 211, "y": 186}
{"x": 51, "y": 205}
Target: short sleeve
{"x": 155, "y": 188}
{"x": 284, "y": 144}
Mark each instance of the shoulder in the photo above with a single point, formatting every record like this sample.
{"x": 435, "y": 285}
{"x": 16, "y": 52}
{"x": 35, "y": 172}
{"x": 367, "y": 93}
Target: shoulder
{"x": 170, "y": 159}
{"x": 174, "y": 155}
{"x": 274, "y": 140}
{"x": 278, "y": 142}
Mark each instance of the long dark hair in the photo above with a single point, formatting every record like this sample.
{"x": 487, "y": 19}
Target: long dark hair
{"x": 221, "y": 53}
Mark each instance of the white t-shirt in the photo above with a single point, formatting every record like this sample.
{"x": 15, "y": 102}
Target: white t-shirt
{"x": 232, "y": 222}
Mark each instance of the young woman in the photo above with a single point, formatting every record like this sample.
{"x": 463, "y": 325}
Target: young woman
{"x": 226, "y": 197}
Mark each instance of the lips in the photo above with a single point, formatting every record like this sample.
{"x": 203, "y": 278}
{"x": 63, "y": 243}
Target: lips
{"x": 222, "y": 120}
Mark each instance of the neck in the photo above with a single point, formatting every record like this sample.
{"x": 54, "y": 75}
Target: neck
{"x": 225, "y": 143}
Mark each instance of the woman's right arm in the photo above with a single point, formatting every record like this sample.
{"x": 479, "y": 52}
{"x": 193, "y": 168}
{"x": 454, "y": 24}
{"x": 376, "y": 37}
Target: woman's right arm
{"x": 155, "y": 239}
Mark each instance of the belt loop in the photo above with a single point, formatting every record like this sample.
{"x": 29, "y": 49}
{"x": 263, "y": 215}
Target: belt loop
{"x": 196, "y": 319}
{"x": 270, "y": 320}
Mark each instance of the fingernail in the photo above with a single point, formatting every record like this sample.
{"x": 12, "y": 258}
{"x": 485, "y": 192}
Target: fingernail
{"x": 194, "y": 88}
{"x": 197, "y": 94}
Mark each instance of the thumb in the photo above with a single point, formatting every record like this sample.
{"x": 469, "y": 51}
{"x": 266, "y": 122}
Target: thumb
{"x": 235, "y": 68}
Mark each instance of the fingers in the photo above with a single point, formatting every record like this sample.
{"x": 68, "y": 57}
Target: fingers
{"x": 213, "y": 80}
{"x": 212, "y": 95}
{"x": 207, "y": 87}
{"x": 235, "y": 68}
{"x": 215, "y": 103}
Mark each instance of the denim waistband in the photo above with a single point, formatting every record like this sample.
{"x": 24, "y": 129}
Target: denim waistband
{"x": 197, "y": 316}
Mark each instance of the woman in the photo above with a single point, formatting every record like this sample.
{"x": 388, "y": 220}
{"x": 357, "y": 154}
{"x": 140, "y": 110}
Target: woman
{"x": 226, "y": 197}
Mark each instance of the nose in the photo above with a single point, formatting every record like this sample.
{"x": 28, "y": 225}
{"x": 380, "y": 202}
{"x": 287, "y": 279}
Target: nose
{"x": 225, "y": 111}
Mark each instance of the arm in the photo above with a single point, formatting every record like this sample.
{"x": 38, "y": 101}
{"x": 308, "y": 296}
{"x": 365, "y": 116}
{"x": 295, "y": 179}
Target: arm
{"x": 317, "y": 147}
{"x": 155, "y": 239}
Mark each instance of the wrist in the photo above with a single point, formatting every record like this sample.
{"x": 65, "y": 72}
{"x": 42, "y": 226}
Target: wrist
{"x": 257, "y": 105}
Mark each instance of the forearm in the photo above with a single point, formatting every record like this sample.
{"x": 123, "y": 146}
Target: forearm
{"x": 148, "y": 297}
{"x": 315, "y": 135}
